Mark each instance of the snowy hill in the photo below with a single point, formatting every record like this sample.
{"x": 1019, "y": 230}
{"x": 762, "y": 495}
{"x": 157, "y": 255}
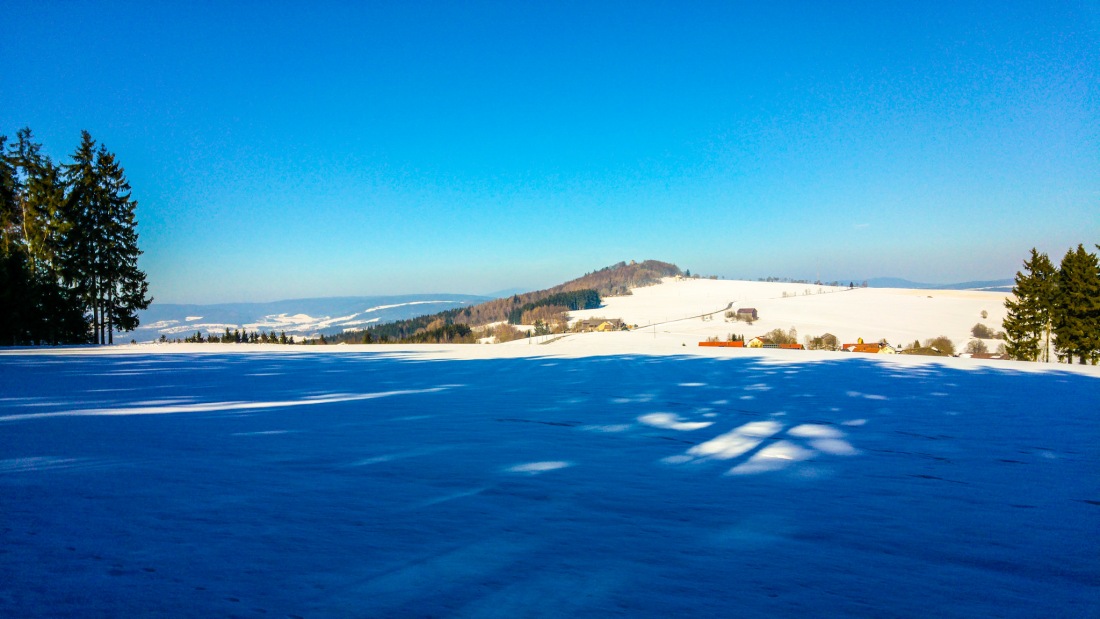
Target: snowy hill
{"x": 496, "y": 481}
{"x": 298, "y": 317}
{"x": 690, "y": 310}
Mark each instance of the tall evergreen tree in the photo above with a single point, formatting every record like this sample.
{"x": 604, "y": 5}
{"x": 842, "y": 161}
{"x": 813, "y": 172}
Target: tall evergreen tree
{"x": 100, "y": 259}
{"x": 36, "y": 307}
{"x": 1077, "y": 307}
{"x": 1028, "y": 323}
{"x": 124, "y": 289}
{"x": 81, "y": 263}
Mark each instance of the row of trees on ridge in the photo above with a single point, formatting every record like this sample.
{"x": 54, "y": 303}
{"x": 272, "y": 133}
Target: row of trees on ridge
{"x": 541, "y": 306}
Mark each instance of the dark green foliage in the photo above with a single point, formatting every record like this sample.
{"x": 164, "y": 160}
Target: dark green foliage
{"x": 981, "y": 331}
{"x": 68, "y": 246}
{"x": 1063, "y": 301}
{"x": 1077, "y": 307}
{"x": 573, "y": 300}
{"x": 1028, "y": 322}
{"x": 124, "y": 285}
{"x": 452, "y": 333}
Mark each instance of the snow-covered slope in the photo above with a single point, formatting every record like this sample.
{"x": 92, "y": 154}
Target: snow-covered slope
{"x": 898, "y": 315}
{"x": 488, "y": 481}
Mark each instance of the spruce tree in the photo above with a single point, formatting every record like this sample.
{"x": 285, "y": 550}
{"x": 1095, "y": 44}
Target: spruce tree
{"x": 124, "y": 288}
{"x": 36, "y": 307}
{"x": 1028, "y": 323}
{"x": 91, "y": 241}
{"x": 14, "y": 275}
{"x": 81, "y": 263}
{"x": 8, "y": 188}
{"x": 1077, "y": 307}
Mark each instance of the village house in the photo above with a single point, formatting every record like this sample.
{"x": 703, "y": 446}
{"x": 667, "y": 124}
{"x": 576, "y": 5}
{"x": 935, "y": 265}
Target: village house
{"x": 881, "y": 348}
{"x": 600, "y": 324}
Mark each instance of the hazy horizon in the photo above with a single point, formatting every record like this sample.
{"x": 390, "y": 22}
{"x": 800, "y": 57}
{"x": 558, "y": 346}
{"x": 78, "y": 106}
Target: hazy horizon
{"x": 295, "y": 152}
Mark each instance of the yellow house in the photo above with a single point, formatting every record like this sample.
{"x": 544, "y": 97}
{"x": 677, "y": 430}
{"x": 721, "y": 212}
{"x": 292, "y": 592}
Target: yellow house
{"x": 600, "y": 324}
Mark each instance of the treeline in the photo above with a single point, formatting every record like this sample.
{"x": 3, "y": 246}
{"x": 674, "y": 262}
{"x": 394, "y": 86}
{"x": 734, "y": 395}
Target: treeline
{"x": 561, "y": 302}
{"x": 1062, "y": 302}
{"x": 68, "y": 246}
{"x": 410, "y": 330}
{"x": 539, "y": 307}
{"x": 237, "y": 336}
{"x": 818, "y": 282}
{"x": 618, "y": 279}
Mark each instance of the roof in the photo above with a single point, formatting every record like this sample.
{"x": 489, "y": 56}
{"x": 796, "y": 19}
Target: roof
{"x": 862, "y": 347}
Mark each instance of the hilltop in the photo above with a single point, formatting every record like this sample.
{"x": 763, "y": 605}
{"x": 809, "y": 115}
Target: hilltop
{"x": 550, "y": 304}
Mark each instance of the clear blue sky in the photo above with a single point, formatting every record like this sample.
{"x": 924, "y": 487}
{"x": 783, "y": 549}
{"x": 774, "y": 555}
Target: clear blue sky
{"x": 280, "y": 150}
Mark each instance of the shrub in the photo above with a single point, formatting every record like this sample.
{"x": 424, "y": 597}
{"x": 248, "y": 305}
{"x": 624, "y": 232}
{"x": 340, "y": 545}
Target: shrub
{"x": 976, "y": 347}
{"x": 779, "y": 336}
{"x": 941, "y": 345}
{"x": 981, "y": 331}
{"x": 827, "y": 341}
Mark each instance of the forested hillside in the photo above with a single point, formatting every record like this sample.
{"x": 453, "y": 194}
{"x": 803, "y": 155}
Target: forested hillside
{"x": 527, "y": 308}
{"x": 618, "y": 279}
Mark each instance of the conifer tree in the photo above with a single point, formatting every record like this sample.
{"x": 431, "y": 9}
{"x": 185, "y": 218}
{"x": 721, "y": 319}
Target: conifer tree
{"x": 124, "y": 287}
{"x": 1077, "y": 307}
{"x": 1028, "y": 322}
{"x": 81, "y": 262}
{"x": 8, "y": 188}
{"x": 35, "y": 306}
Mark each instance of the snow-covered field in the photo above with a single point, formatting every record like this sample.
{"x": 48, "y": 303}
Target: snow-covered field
{"x": 618, "y": 474}
{"x": 897, "y": 315}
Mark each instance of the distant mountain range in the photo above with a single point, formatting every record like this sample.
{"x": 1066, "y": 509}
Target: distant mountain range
{"x": 995, "y": 285}
{"x": 297, "y": 317}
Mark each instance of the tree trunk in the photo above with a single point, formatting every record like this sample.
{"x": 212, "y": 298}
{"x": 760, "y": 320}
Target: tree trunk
{"x": 109, "y": 321}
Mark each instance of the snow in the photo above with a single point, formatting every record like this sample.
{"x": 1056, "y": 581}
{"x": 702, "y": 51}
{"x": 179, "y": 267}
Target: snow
{"x": 898, "y": 315}
{"x": 393, "y": 305}
{"x": 606, "y": 474}
{"x": 299, "y": 318}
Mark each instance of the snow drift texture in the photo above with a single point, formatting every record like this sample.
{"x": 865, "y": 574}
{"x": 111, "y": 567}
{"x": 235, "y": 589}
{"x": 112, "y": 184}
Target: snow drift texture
{"x": 363, "y": 485}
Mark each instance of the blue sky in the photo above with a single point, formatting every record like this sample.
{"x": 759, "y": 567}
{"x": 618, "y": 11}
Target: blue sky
{"x": 282, "y": 150}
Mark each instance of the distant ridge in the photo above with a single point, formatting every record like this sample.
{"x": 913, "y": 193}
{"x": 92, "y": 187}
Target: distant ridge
{"x": 996, "y": 285}
{"x": 297, "y": 317}
{"x": 456, "y": 324}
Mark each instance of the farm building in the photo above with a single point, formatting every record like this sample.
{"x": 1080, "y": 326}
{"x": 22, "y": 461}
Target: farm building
{"x": 881, "y": 348}
{"x": 737, "y": 344}
{"x": 600, "y": 324}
